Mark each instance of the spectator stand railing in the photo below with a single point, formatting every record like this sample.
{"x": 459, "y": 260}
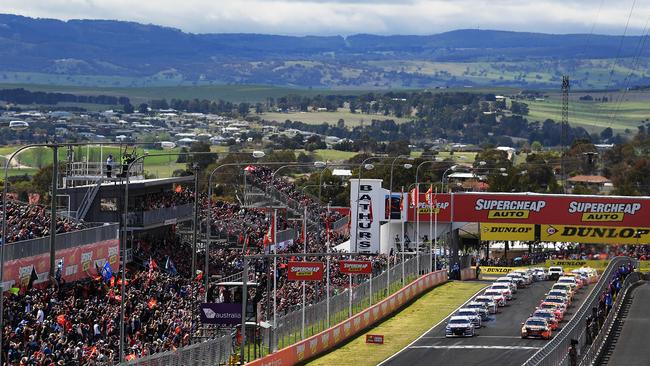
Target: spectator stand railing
{"x": 37, "y": 246}
{"x": 161, "y": 215}
{"x": 600, "y": 341}
{"x": 211, "y": 352}
{"x": 556, "y": 352}
{"x": 290, "y": 324}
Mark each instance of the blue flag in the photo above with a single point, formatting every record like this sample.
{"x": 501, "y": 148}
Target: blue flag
{"x": 107, "y": 271}
{"x": 170, "y": 267}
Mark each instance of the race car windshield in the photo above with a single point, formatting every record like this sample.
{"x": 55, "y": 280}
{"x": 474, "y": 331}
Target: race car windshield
{"x": 458, "y": 321}
{"x": 543, "y": 314}
{"x": 536, "y": 323}
{"x": 557, "y": 301}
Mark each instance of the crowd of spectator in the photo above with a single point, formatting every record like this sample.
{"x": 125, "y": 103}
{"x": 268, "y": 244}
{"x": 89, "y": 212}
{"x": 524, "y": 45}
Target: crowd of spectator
{"x": 30, "y": 221}
{"x": 177, "y": 197}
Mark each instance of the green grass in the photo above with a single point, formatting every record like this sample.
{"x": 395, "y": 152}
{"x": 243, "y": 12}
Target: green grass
{"x": 402, "y": 328}
{"x": 593, "y": 116}
{"x": 137, "y": 93}
{"x": 315, "y": 118}
{"x": 334, "y": 155}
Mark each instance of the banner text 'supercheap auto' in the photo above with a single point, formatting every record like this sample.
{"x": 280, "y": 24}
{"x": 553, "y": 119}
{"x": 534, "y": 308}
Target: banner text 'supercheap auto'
{"x": 552, "y": 209}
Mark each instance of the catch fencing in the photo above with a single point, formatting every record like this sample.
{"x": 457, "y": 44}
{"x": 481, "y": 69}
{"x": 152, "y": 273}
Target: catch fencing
{"x": 556, "y": 352}
{"x": 289, "y": 326}
{"x": 209, "y": 353}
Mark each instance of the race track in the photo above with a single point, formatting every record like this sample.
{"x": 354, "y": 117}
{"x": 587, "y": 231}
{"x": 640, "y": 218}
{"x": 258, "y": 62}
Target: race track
{"x": 497, "y": 343}
{"x": 634, "y": 349}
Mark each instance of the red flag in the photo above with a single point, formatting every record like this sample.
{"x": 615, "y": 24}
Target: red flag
{"x": 268, "y": 238}
{"x": 152, "y": 303}
{"x": 249, "y": 169}
{"x": 429, "y": 195}
{"x": 178, "y": 188}
{"x": 414, "y": 197}
{"x": 34, "y": 198}
{"x": 327, "y": 228}
{"x": 199, "y": 277}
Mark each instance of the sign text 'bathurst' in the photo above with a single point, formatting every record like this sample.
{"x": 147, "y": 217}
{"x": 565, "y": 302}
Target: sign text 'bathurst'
{"x": 305, "y": 271}
{"x": 355, "y": 267}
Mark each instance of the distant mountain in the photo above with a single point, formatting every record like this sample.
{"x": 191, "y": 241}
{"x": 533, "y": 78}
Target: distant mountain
{"x": 115, "y": 53}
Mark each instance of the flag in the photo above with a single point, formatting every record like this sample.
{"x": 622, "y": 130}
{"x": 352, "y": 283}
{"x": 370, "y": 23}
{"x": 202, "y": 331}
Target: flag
{"x": 32, "y": 277}
{"x": 107, "y": 271}
{"x": 34, "y": 198}
{"x": 414, "y": 197}
{"x": 327, "y": 228}
{"x": 429, "y": 195}
{"x": 152, "y": 264}
{"x": 170, "y": 267}
{"x": 199, "y": 276}
{"x": 152, "y": 303}
{"x": 178, "y": 188}
{"x": 268, "y": 238}
{"x": 249, "y": 169}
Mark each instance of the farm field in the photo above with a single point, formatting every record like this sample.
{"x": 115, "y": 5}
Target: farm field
{"x": 315, "y": 118}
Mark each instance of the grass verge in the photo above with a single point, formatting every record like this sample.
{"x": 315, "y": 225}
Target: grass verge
{"x": 402, "y": 328}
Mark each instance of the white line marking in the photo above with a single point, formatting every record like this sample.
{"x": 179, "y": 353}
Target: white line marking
{"x": 479, "y": 336}
{"x": 432, "y": 328}
{"x": 479, "y": 347}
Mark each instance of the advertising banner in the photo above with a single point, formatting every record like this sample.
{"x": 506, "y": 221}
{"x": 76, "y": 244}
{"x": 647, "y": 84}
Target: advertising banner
{"x": 551, "y": 209}
{"x": 507, "y": 231}
{"x": 305, "y": 271}
{"x": 497, "y": 271}
{"x": 77, "y": 263}
{"x": 441, "y": 204}
{"x": 355, "y": 267}
{"x": 221, "y": 313}
{"x": 595, "y": 235}
{"x": 599, "y": 265}
{"x": 367, "y": 212}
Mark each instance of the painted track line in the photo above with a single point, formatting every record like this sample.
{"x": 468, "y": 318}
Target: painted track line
{"x": 432, "y": 328}
{"x": 478, "y": 347}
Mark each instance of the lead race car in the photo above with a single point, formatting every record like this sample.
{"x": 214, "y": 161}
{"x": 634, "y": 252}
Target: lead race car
{"x": 459, "y": 326}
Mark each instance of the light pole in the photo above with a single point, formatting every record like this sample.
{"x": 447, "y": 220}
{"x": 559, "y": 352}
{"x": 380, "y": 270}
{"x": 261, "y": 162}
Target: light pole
{"x": 417, "y": 217}
{"x": 444, "y": 175}
{"x": 390, "y": 213}
{"x": 125, "y": 227}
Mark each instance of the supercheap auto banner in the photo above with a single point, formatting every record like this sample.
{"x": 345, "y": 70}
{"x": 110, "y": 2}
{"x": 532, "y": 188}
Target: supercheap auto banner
{"x": 624, "y": 212}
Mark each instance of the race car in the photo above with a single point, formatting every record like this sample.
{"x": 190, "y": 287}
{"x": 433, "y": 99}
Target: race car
{"x": 549, "y": 315}
{"x": 558, "y": 310}
{"x": 497, "y": 295}
{"x": 482, "y": 308}
{"x": 526, "y": 273}
{"x": 472, "y": 314}
{"x": 540, "y": 274}
{"x": 562, "y": 294}
{"x": 459, "y": 326}
{"x": 508, "y": 281}
{"x": 504, "y": 288}
{"x": 536, "y": 328}
{"x": 566, "y": 287}
{"x": 489, "y": 301}
{"x": 555, "y": 272}
{"x": 517, "y": 277}
{"x": 571, "y": 281}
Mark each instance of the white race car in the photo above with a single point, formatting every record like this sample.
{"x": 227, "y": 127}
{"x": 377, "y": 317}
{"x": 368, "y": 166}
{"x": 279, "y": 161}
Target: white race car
{"x": 459, "y": 326}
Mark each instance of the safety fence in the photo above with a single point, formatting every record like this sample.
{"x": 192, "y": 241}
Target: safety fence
{"x": 34, "y": 247}
{"x": 348, "y": 327}
{"x": 212, "y": 352}
{"x": 600, "y": 341}
{"x": 341, "y": 306}
{"x": 556, "y": 352}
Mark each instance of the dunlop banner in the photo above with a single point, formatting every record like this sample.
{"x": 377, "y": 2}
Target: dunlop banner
{"x": 507, "y": 231}
{"x": 501, "y": 271}
{"x": 598, "y": 265}
{"x": 595, "y": 234}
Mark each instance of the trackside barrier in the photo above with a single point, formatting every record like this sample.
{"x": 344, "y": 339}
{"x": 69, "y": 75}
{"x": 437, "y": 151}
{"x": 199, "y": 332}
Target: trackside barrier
{"x": 556, "y": 352}
{"x": 330, "y": 338}
{"x": 601, "y": 340}
{"x": 468, "y": 274}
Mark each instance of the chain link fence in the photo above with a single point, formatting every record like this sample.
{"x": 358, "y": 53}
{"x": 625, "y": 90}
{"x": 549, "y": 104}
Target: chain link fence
{"x": 364, "y": 293}
{"x": 212, "y": 352}
{"x": 556, "y": 352}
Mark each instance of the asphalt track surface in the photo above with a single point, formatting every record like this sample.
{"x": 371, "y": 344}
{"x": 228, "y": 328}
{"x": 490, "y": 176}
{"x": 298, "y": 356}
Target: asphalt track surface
{"x": 632, "y": 346}
{"x": 497, "y": 343}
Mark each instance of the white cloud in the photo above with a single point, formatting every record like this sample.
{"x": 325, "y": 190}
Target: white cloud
{"x": 331, "y": 17}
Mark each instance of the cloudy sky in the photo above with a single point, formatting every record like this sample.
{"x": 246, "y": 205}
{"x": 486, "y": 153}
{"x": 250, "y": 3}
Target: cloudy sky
{"x": 328, "y": 17}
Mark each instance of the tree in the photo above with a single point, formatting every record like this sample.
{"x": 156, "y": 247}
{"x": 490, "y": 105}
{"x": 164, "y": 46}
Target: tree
{"x": 143, "y": 108}
{"x": 202, "y": 160}
{"x": 607, "y": 133}
{"x": 536, "y": 146}
{"x": 128, "y": 108}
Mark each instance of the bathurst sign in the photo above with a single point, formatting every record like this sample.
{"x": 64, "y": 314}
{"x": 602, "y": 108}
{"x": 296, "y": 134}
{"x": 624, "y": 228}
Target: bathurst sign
{"x": 305, "y": 271}
{"x": 355, "y": 267}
